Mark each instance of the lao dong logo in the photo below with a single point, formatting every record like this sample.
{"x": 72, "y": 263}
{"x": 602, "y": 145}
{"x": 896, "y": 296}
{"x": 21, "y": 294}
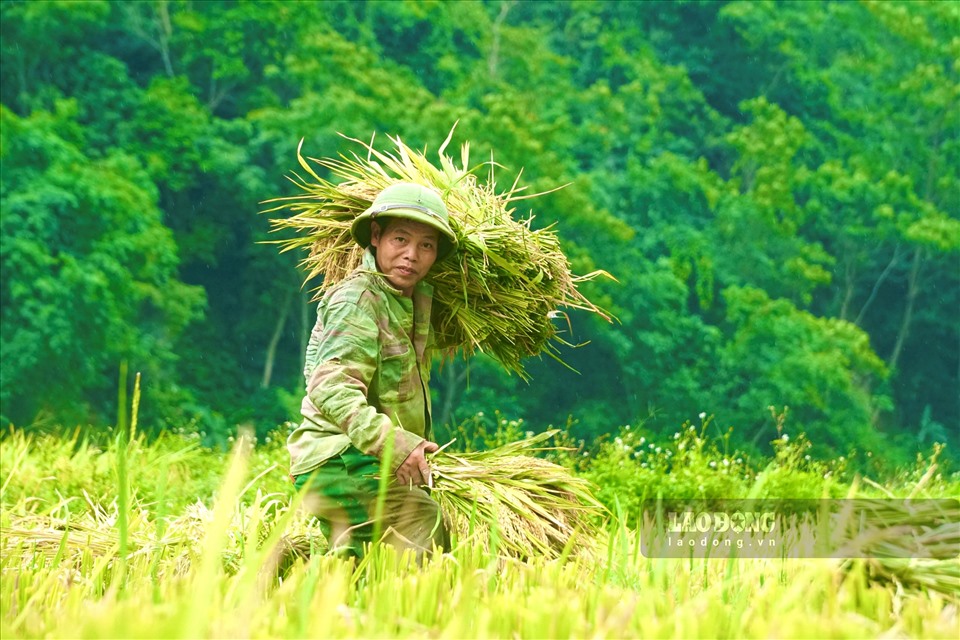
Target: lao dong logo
{"x": 721, "y": 521}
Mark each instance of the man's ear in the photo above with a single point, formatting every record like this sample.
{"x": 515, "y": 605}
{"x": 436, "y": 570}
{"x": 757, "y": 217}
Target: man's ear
{"x": 374, "y": 234}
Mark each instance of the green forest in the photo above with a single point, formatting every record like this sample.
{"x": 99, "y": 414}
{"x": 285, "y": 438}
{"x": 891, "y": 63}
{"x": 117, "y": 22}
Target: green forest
{"x": 773, "y": 185}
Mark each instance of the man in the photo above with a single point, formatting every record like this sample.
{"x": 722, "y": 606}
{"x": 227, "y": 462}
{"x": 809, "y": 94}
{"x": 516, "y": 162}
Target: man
{"x": 367, "y": 373}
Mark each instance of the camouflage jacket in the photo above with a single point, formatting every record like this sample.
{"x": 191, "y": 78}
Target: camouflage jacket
{"x": 367, "y": 372}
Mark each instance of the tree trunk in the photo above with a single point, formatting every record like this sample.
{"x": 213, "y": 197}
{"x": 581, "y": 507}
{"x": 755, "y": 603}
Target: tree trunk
{"x": 912, "y": 290}
{"x": 275, "y": 340}
{"x": 876, "y": 285}
{"x": 218, "y": 92}
{"x": 494, "y": 59}
{"x": 452, "y": 379}
{"x": 163, "y": 38}
{"x": 152, "y": 25}
{"x": 849, "y": 277}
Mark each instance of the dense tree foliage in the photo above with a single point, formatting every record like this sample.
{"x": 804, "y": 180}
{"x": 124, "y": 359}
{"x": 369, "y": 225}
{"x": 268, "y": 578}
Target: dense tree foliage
{"x": 774, "y": 186}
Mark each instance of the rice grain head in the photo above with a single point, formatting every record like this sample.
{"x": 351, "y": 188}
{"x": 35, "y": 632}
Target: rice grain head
{"x": 536, "y": 506}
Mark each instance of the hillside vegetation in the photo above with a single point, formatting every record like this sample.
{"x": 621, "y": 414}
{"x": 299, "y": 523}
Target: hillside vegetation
{"x": 772, "y": 184}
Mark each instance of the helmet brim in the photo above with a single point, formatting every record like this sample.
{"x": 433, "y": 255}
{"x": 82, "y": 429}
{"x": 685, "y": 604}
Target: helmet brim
{"x": 360, "y": 229}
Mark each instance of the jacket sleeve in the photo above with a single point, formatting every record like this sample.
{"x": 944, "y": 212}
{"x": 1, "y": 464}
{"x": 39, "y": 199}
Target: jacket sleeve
{"x": 347, "y": 358}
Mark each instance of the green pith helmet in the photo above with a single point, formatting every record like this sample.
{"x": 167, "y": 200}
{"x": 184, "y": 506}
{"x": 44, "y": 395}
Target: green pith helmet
{"x": 411, "y": 202}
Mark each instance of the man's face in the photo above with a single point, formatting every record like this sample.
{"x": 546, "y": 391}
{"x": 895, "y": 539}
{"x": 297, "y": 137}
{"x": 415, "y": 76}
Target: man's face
{"x": 405, "y": 251}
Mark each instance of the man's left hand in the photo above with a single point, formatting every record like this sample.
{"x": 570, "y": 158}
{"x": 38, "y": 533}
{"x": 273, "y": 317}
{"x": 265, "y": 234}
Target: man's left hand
{"x": 415, "y": 470}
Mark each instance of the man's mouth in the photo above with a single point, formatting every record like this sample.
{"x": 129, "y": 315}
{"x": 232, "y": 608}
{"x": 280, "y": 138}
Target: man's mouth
{"x": 404, "y": 271}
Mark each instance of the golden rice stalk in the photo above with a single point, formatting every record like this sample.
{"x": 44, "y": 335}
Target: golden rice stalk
{"x": 498, "y": 294}
{"x": 913, "y": 544}
{"x": 175, "y": 552}
{"x": 910, "y": 541}
{"x": 529, "y": 505}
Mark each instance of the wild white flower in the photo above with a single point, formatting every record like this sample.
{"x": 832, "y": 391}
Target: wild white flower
{"x": 529, "y": 434}
{"x": 681, "y": 446}
{"x": 785, "y": 437}
{"x": 627, "y": 428}
{"x": 703, "y": 415}
{"x": 659, "y": 449}
{"x": 713, "y": 464}
{"x": 807, "y": 457}
{"x": 676, "y": 436}
{"x": 726, "y": 462}
{"x": 642, "y": 439}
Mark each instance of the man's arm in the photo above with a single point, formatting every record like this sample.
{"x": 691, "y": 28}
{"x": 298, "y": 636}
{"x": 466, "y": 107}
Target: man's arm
{"x": 348, "y": 352}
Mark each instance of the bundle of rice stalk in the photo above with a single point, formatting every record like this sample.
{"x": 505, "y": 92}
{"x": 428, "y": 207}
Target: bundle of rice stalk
{"x": 911, "y": 543}
{"x": 530, "y": 505}
{"x": 498, "y": 294}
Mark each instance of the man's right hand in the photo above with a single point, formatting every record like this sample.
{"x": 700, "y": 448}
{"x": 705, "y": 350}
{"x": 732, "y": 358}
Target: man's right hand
{"x": 415, "y": 470}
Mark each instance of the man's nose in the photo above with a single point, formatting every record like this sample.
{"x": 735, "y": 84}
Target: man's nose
{"x": 411, "y": 252}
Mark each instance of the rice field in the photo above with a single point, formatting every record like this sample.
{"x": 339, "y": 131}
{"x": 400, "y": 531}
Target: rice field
{"x": 168, "y": 540}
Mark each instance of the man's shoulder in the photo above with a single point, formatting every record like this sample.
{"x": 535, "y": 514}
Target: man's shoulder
{"x": 356, "y": 289}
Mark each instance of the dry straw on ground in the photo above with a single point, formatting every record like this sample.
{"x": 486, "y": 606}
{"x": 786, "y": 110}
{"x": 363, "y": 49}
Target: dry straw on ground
{"x": 498, "y": 294}
{"x": 172, "y": 547}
